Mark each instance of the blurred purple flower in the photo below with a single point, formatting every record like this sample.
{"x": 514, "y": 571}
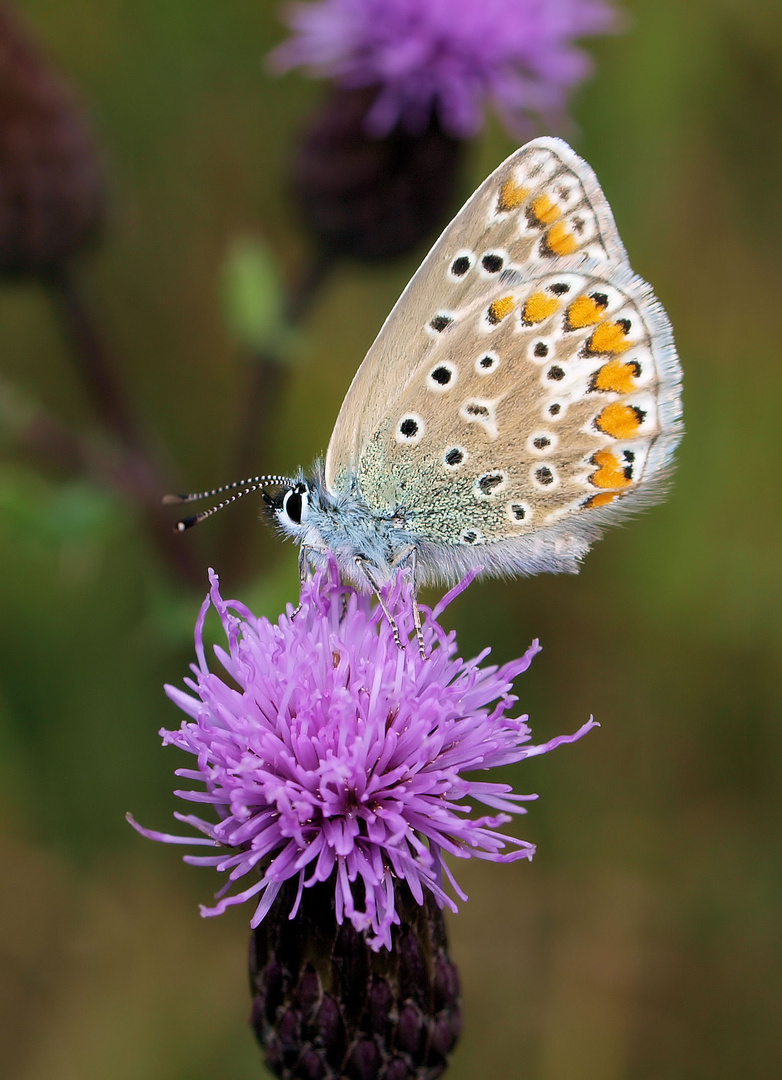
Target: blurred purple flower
{"x": 332, "y": 754}
{"x": 448, "y": 56}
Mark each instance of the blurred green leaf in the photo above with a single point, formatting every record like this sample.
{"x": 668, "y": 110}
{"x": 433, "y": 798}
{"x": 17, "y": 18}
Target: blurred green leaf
{"x": 17, "y": 410}
{"x": 172, "y": 614}
{"x": 253, "y": 297}
{"x": 52, "y": 516}
{"x": 271, "y": 594}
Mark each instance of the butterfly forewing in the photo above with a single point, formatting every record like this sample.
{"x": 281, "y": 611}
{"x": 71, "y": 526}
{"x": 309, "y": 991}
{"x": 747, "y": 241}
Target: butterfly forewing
{"x": 542, "y": 204}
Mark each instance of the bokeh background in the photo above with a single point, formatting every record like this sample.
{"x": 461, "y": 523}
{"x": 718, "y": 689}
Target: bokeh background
{"x": 644, "y": 940}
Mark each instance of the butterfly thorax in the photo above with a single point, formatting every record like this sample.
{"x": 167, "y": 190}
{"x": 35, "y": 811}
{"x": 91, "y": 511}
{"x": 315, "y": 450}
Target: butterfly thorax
{"x": 342, "y": 524}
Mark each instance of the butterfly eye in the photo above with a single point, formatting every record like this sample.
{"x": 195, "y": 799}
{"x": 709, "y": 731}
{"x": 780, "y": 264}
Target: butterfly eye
{"x": 296, "y": 503}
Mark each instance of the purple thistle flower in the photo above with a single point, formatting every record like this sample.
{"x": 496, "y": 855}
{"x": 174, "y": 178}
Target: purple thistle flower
{"x": 333, "y": 755}
{"x": 448, "y": 56}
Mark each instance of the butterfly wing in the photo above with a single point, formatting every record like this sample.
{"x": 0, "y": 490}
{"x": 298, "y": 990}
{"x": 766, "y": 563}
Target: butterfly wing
{"x": 525, "y": 388}
{"x": 542, "y": 203}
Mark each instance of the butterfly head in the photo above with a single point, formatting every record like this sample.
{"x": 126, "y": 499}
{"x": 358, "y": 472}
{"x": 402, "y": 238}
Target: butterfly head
{"x": 291, "y": 507}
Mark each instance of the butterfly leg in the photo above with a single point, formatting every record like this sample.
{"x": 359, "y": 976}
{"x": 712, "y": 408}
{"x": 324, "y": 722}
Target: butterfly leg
{"x": 365, "y": 567}
{"x": 408, "y": 559}
{"x": 303, "y": 569}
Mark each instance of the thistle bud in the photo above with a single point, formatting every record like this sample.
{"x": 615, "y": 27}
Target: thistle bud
{"x": 326, "y": 1005}
{"x": 51, "y": 182}
{"x": 372, "y": 198}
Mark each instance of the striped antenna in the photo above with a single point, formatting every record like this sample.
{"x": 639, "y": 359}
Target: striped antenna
{"x": 253, "y": 483}
{"x": 280, "y": 481}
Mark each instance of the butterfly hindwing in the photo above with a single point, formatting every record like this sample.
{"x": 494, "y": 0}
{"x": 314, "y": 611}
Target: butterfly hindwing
{"x": 507, "y": 427}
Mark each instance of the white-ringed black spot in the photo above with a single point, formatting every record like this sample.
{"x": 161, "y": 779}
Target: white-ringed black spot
{"x": 517, "y": 511}
{"x": 481, "y": 411}
{"x": 471, "y": 536}
{"x": 460, "y": 265}
{"x": 555, "y": 409}
{"x": 541, "y": 349}
{"x": 442, "y": 377}
{"x": 490, "y": 484}
{"x": 410, "y": 429}
{"x": 555, "y": 372}
{"x": 440, "y": 323}
{"x": 492, "y": 262}
{"x": 559, "y": 288}
{"x": 544, "y": 475}
{"x": 454, "y": 457}
{"x": 542, "y": 442}
{"x": 486, "y": 363}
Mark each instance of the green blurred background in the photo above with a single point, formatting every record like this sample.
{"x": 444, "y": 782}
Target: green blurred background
{"x": 644, "y": 940}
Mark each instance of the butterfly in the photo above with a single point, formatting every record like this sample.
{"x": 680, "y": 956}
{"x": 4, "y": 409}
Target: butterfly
{"x": 523, "y": 393}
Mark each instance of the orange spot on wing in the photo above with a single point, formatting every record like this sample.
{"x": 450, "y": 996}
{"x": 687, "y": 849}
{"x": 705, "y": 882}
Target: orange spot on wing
{"x": 620, "y": 421}
{"x": 560, "y": 240}
{"x": 500, "y": 309}
{"x": 609, "y": 473}
{"x": 545, "y": 209}
{"x": 601, "y": 499}
{"x": 615, "y": 376}
{"x": 609, "y": 337}
{"x": 511, "y": 196}
{"x": 538, "y": 307}
{"x": 584, "y": 311}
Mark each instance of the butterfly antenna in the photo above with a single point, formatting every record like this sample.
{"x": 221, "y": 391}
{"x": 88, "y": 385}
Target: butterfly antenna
{"x": 253, "y": 483}
{"x": 258, "y": 481}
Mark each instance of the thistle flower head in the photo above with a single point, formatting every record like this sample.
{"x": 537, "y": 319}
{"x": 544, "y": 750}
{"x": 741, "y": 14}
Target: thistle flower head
{"x": 447, "y": 56}
{"x": 330, "y": 754}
